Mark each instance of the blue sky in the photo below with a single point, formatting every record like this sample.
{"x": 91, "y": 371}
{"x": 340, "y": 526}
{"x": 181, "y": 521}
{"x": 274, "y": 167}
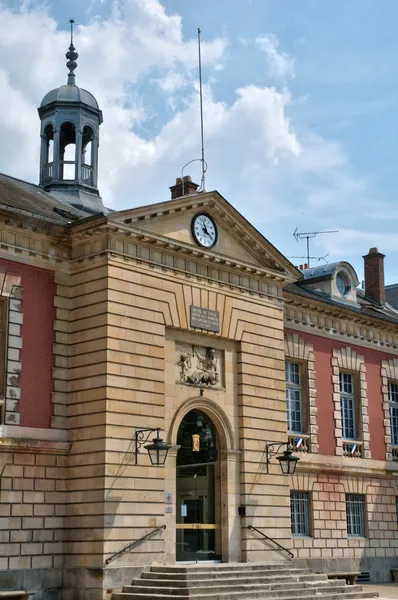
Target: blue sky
{"x": 300, "y": 107}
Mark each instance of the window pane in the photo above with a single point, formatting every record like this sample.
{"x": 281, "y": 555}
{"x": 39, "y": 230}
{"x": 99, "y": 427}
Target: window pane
{"x": 348, "y": 418}
{"x": 393, "y": 392}
{"x": 355, "y": 508}
{"x": 299, "y": 513}
{"x": 292, "y": 373}
{"x": 346, "y": 383}
{"x": 293, "y": 402}
{"x": 394, "y": 425}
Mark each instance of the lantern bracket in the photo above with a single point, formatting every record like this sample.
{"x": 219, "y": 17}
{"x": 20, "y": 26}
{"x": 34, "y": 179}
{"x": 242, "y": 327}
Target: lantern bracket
{"x": 272, "y": 450}
{"x": 141, "y": 438}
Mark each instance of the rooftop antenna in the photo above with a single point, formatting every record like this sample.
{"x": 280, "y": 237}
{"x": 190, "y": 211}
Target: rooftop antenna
{"x": 308, "y": 235}
{"x": 318, "y": 258}
{"x": 202, "y": 159}
{"x": 202, "y": 183}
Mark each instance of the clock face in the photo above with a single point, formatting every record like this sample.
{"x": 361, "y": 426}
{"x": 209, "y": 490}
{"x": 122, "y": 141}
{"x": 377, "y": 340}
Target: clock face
{"x": 204, "y": 230}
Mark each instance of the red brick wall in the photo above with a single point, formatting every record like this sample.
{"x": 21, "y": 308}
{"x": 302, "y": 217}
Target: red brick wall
{"x": 37, "y": 340}
{"x": 323, "y": 349}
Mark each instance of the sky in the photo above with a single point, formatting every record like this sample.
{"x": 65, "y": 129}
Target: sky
{"x": 300, "y": 108}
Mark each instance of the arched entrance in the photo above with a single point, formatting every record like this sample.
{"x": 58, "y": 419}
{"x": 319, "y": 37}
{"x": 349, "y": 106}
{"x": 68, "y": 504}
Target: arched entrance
{"x": 198, "y": 490}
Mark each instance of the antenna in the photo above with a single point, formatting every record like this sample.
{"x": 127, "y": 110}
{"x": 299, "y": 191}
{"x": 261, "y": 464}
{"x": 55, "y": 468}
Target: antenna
{"x": 318, "y": 258}
{"x": 202, "y": 184}
{"x": 202, "y": 159}
{"x": 309, "y": 235}
{"x": 71, "y": 21}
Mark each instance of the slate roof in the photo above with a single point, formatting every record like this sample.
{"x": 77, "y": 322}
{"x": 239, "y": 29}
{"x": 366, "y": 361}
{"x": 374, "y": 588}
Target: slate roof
{"x": 29, "y": 200}
{"x": 364, "y": 306}
{"x": 392, "y": 294}
{"x": 70, "y": 93}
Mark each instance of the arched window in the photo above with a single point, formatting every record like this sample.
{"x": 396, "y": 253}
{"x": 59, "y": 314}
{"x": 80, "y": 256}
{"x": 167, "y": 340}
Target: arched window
{"x": 48, "y": 152}
{"x": 68, "y": 151}
{"x": 49, "y": 135}
{"x": 87, "y": 155}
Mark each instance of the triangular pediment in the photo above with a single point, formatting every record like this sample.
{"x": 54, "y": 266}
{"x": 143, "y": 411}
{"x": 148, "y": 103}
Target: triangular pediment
{"x": 237, "y": 239}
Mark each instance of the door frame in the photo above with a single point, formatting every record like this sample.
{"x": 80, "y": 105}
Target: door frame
{"x": 229, "y": 459}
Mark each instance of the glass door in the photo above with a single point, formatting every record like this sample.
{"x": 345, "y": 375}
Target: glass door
{"x": 198, "y": 499}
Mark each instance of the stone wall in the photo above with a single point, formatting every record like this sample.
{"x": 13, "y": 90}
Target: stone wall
{"x": 329, "y": 547}
{"x": 32, "y": 508}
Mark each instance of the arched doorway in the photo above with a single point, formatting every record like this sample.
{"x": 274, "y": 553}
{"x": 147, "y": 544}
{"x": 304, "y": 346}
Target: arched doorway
{"x": 198, "y": 522}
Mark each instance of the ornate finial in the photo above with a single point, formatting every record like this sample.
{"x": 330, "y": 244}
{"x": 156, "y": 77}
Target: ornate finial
{"x": 72, "y": 56}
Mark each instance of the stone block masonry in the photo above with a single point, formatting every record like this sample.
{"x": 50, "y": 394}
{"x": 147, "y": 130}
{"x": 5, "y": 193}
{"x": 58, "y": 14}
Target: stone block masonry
{"x": 32, "y": 507}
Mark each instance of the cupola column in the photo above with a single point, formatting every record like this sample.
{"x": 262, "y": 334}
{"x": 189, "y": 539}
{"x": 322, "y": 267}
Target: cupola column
{"x": 95, "y": 160}
{"x": 43, "y": 157}
{"x": 57, "y": 155}
{"x": 78, "y": 154}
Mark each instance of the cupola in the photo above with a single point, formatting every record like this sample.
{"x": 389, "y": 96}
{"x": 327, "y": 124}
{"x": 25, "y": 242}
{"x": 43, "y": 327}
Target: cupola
{"x": 70, "y": 120}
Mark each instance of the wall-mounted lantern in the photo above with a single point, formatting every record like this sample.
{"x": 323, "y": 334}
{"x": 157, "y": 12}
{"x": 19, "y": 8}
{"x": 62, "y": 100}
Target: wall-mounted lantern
{"x": 287, "y": 461}
{"x": 157, "y": 451}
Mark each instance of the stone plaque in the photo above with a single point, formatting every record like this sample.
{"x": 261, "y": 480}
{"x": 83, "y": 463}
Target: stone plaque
{"x": 203, "y": 318}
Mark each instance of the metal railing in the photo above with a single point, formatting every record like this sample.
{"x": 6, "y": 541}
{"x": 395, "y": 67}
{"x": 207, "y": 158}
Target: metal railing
{"x": 87, "y": 174}
{"x": 47, "y": 171}
{"x": 135, "y": 543}
{"x": 271, "y": 540}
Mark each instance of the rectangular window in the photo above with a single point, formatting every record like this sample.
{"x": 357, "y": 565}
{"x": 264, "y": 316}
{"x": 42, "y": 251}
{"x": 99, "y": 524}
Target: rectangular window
{"x": 294, "y": 397}
{"x": 355, "y": 509}
{"x": 393, "y": 400}
{"x": 347, "y": 399}
{"x": 299, "y": 506}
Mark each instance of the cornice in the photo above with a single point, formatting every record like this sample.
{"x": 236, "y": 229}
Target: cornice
{"x": 303, "y": 314}
{"x": 236, "y": 225}
{"x": 30, "y": 242}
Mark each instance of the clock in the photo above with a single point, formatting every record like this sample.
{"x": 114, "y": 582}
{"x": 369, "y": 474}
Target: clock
{"x": 204, "y": 230}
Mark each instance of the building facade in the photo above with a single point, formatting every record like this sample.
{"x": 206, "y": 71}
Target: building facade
{"x": 182, "y": 320}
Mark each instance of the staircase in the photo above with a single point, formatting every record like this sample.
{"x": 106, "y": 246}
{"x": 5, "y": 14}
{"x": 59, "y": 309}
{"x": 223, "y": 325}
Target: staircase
{"x": 238, "y": 581}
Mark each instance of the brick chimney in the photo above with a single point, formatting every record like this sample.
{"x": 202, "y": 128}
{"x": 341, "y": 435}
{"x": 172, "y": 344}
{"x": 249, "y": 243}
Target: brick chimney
{"x": 374, "y": 276}
{"x": 189, "y": 187}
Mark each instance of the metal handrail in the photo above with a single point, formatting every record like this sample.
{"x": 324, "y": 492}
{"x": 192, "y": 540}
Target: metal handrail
{"x": 132, "y": 544}
{"x": 271, "y": 540}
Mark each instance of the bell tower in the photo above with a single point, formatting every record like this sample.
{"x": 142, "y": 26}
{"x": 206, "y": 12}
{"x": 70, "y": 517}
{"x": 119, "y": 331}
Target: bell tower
{"x": 70, "y": 120}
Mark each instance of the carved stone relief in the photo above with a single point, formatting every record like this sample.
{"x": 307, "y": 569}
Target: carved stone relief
{"x": 199, "y": 366}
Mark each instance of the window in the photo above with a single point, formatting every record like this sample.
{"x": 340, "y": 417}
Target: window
{"x": 342, "y": 283}
{"x": 355, "y": 508}
{"x": 3, "y": 343}
{"x": 299, "y": 502}
{"x": 294, "y": 397}
{"x": 347, "y": 398}
{"x": 393, "y": 401}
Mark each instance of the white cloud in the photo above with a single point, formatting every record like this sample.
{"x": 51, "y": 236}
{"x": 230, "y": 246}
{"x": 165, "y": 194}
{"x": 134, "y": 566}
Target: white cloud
{"x": 280, "y": 64}
{"x": 277, "y": 171}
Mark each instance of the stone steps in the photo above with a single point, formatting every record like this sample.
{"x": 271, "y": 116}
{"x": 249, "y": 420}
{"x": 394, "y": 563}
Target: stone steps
{"x": 243, "y": 581}
{"x": 260, "y": 595}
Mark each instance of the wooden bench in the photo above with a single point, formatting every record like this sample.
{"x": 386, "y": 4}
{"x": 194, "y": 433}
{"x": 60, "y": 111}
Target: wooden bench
{"x": 350, "y": 577}
{"x": 14, "y": 595}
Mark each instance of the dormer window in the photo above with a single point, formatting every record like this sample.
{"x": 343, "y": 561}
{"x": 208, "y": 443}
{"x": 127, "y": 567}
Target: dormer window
{"x": 343, "y": 284}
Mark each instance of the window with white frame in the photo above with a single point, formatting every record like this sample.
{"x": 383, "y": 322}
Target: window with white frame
{"x": 393, "y": 402}
{"x": 299, "y": 506}
{"x": 347, "y": 399}
{"x": 294, "y": 395}
{"x": 355, "y": 509}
